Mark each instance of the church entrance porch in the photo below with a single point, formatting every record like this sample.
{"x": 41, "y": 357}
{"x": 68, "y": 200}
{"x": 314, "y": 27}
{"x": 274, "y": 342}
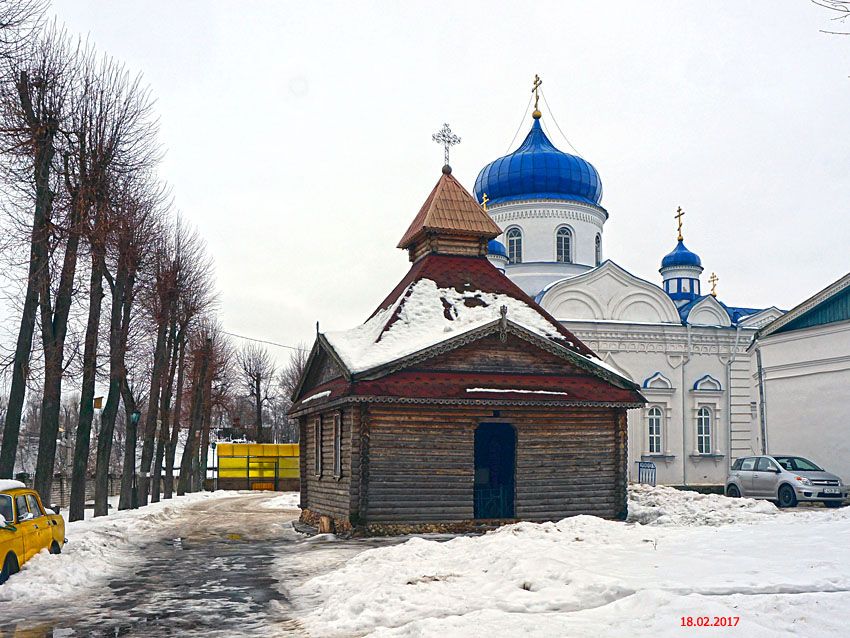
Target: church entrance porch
{"x": 495, "y": 471}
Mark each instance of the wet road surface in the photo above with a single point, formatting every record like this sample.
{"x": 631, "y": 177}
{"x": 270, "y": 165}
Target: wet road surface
{"x": 209, "y": 573}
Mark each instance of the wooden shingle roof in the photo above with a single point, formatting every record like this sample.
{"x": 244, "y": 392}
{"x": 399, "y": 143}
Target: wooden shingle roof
{"x": 452, "y": 210}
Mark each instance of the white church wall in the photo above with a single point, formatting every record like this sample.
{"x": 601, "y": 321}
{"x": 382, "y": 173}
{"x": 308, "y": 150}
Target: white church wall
{"x": 539, "y": 222}
{"x": 807, "y": 391}
{"x": 672, "y": 361}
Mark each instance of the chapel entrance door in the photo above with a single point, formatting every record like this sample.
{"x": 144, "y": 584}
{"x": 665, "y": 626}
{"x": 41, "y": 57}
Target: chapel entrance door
{"x": 495, "y": 470}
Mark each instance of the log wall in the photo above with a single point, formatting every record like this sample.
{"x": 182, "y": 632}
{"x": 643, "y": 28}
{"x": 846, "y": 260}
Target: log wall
{"x": 420, "y": 462}
{"x": 329, "y": 495}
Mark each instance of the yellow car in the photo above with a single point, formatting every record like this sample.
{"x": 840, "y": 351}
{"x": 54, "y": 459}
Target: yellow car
{"x": 25, "y": 527}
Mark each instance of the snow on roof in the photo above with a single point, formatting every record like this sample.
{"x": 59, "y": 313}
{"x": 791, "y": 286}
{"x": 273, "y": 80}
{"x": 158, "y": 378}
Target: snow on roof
{"x": 428, "y": 315}
{"x": 10, "y": 484}
{"x": 516, "y": 390}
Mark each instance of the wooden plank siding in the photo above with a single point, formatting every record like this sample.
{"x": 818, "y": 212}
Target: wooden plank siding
{"x": 327, "y": 494}
{"x": 421, "y": 462}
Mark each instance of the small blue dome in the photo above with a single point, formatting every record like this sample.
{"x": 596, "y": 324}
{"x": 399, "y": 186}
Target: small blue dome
{"x": 495, "y": 247}
{"x": 681, "y": 256}
{"x": 538, "y": 170}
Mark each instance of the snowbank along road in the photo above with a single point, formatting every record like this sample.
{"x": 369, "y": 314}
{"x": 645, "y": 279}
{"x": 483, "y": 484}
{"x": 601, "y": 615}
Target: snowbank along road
{"x": 202, "y": 565}
{"x": 230, "y": 564}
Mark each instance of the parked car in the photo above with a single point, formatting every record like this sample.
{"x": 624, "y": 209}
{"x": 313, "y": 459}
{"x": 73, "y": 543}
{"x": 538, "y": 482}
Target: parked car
{"x": 786, "y": 480}
{"x": 26, "y": 527}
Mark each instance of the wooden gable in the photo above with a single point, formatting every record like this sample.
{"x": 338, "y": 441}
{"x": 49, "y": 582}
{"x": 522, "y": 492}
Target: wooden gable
{"x": 491, "y": 355}
{"x": 321, "y": 368}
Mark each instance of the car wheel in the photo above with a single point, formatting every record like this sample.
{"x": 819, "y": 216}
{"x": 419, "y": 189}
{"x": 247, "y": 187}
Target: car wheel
{"x": 55, "y": 549}
{"x": 787, "y": 498}
{"x": 832, "y": 503}
{"x": 733, "y": 491}
{"x": 10, "y": 566}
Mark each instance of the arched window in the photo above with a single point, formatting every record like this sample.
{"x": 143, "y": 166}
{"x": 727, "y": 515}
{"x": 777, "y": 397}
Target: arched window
{"x": 564, "y": 245}
{"x": 704, "y": 430}
{"x": 654, "y": 417}
{"x": 598, "y": 250}
{"x": 514, "y": 236}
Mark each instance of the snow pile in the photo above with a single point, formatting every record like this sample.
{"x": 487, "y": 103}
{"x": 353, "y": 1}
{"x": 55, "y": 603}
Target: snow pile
{"x": 671, "y": 507}
{"x": 97, "y": 548}
{"x": 286, "y": 501}
{"x": 422, "y": 322}
{"x": 585, "y": 576}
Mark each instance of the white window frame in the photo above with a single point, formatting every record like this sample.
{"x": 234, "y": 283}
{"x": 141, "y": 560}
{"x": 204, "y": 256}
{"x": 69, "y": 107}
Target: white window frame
{"x": 564, "y": 256}
{"x": 598, "y": 248}
{"x": 655, "y": 420}
{"x": 317, "y": 445}
{"x": 514, "y": 244}
{"x": 338, "y": 446}
{"x": 705, "y": 419}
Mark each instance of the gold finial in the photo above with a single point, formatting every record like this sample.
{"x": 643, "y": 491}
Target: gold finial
{"x": 679, "y": 214}
{"x": 537, "y": 82}
{"x": 484, "y": 201}
{"x": 713, "y": 281}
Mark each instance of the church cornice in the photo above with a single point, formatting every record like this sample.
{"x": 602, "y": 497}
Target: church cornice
{"x": 574, "y": 212}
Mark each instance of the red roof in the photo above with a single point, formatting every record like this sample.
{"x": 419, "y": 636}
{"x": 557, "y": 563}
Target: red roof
{"x": 471, "y": 273}
{"x": 424, "y": 385}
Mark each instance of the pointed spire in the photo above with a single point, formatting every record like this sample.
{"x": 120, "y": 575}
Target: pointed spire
{"x": 450, "y": 212}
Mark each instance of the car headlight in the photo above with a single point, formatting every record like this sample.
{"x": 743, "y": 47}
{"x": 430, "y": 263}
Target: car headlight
{"x": 803, "y": 480}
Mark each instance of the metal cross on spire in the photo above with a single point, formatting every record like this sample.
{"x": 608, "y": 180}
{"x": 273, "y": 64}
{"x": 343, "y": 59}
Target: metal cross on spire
{"x": 448, "y": 139}
{"x": 679, "y": 214}
{"x": 713, "y": 281}
{"x": 537, "y": 82}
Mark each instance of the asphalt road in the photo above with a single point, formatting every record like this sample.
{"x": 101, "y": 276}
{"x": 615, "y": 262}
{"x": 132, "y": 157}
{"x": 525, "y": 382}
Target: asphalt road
{"x": 208, "y": 573}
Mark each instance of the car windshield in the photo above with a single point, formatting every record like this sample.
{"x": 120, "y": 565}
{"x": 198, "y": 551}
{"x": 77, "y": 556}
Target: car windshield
{"x": 797, "y": 464}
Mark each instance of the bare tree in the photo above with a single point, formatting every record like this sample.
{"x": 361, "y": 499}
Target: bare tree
{"x": 136, "y": 225}
{"x": 112, "y": 139}
{"x": 35, "y": 103}
{"x": 19, "y": 21}
{"x": 290, "y": 375}
{"x": 258, "y": 372}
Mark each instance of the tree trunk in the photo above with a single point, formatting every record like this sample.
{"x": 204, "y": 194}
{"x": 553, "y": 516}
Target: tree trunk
{"x": 150, "y": 429}
{"x": 205, "y": 435}
{"x": 165, "y": 412}
{"x": 128, "y": 471}
{"x": 188, "y": 462}
{"x": 258, "y": 409}
{"x": 39, "y": 251}
{"x": 171, "y": 450}
{"x": 82, "y": 444}
{"x": 119, "y": 327}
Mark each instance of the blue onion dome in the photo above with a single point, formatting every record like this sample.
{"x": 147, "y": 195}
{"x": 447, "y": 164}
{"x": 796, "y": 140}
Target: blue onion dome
{"x": 681, "y": 256}
{"x": 495, "y": 247}
{"x": 538, "y": 170}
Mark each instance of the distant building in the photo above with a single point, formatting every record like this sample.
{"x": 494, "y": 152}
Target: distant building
{"x": 459, "y": 402}
{"x": 804, "y": 366}
{"x": 687, "y": 349}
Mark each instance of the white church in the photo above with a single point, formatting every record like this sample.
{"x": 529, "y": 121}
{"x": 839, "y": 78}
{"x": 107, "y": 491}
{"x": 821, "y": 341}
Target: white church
{"x": 687, "y": 349}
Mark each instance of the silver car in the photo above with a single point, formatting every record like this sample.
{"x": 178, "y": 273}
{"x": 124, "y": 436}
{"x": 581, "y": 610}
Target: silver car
{"x": 786, "y": 480}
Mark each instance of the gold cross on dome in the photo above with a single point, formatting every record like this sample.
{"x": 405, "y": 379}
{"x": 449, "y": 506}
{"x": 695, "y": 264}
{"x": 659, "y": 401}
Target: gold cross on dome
{"x": 535, "y": 86}
{"x": 484, "y": 201}
{"x": 679, "y": 214}
{"x": 713, "y": 281}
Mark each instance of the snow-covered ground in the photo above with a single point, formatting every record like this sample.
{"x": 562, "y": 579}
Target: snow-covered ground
{"x": 684, "y": 555}
{"x": 95, "y": 550}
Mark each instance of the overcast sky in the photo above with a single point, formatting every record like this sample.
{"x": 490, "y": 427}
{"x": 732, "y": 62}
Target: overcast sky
{"x": 299, "y": 134}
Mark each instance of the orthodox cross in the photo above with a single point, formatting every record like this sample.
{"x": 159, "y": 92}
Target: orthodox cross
{"x": 535, "y": 86}
{"x": 484, "y": 201}
{"x": 713, "y": 281}
{"x": 448, "y": 139}
{"x": 679, "y": 214}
